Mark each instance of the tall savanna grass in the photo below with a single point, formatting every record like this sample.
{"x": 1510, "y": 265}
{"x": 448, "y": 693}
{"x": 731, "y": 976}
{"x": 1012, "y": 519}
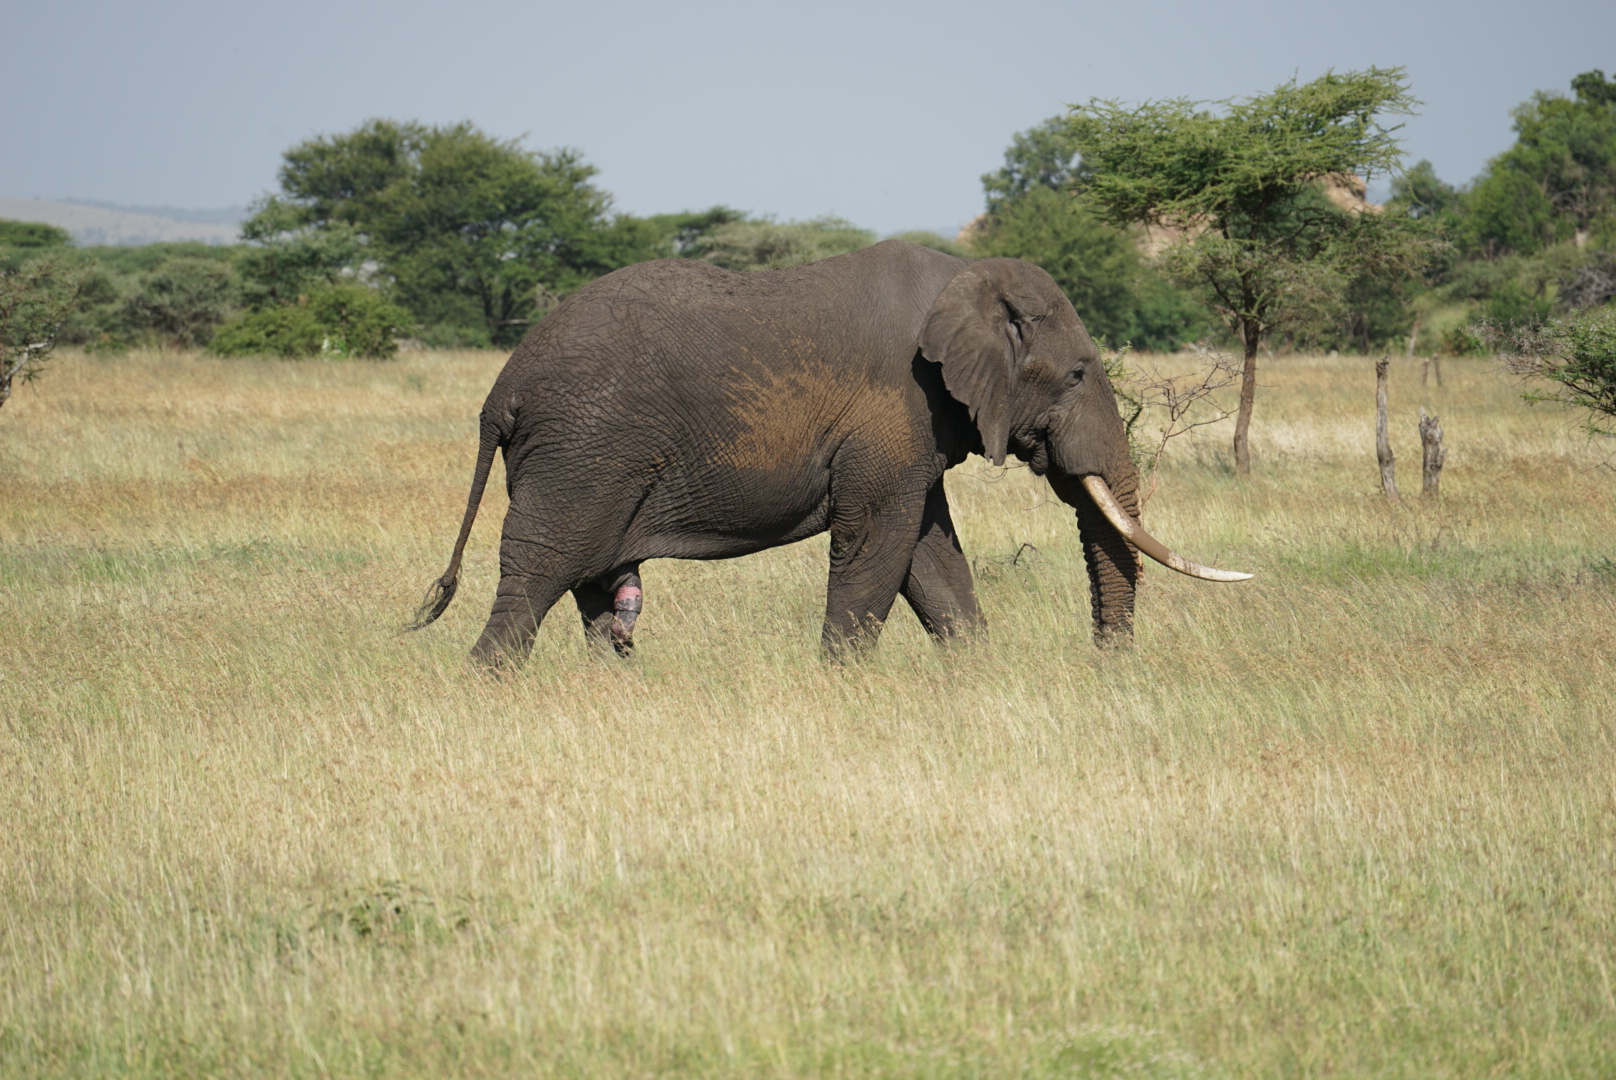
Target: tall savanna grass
{"x": 1354, "y": 817}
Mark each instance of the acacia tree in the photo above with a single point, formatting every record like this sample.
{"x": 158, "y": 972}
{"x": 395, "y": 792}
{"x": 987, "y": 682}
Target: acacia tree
{"x": 1240, "y": 183}
{"x": 34, "y": 300}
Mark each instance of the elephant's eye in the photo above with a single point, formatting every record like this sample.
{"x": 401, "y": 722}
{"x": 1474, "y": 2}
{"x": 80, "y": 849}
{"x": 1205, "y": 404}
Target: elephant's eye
{"x": 1074, "y": 376}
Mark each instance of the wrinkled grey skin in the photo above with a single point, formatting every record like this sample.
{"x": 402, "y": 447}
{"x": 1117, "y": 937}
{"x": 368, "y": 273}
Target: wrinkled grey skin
{"x": 676, "y": 410}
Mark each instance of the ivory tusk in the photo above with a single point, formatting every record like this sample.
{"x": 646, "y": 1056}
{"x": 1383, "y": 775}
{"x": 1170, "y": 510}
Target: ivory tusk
{"x": 1139, "y": 538}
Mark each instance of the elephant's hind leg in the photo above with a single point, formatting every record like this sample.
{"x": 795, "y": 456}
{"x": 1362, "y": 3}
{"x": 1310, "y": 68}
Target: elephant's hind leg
{"x": 609, "y": 608}
{"x": 520, "y": 604}
{"x": 595, "y": 609}
{"x": 545, "y": 551}
{"x": 939, "y": 586}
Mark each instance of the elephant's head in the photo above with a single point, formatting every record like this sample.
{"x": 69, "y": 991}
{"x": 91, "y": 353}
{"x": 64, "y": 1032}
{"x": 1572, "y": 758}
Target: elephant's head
{"x": 1015, "y": 353}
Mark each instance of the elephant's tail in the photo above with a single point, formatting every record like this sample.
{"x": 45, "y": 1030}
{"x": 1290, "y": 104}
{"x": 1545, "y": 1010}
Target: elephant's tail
{"x": 443, "y": 590}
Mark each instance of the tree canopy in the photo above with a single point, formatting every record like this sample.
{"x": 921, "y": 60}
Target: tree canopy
{"x": 1534, "y": 237}
{"x": 1558, "y": 181}
{"x": 1176, "y": 161}
{"x": 1031, "y": 215}
{"x": 467, "y": 231}
{"x": 1241, "y": 185}
{"x": 1418, "y": 192}
{"x": 1040, "y": 157}
{"x": 1095, "y": 264}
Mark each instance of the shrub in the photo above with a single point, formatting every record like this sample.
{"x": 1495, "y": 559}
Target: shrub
{"x": 335, "y": 320}
{"x": 1512, "y": 305}
{"x": 289, "y": 331}
{"x": 937, "y": 242}
{"x": 32, "y": 236}
{"x": 1462, "y": 341}
{"x": 768, "y": 245}
{"x": 182, "y": 301}
{"x": 1578, "y": 355}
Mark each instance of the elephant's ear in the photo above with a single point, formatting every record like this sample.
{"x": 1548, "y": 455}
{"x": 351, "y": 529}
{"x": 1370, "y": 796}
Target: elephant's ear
{"x": 979, "y": 332}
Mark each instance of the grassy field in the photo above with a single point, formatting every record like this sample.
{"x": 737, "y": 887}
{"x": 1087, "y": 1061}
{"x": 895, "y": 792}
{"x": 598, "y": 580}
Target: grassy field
{"x": 1356, "y": 817}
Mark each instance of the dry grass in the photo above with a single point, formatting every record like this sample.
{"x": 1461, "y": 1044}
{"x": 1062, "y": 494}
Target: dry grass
{"x": 1356, "y": 817}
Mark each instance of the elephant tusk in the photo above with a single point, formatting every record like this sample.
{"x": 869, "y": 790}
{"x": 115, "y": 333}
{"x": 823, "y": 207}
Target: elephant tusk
{"x": 1139, "y": 538}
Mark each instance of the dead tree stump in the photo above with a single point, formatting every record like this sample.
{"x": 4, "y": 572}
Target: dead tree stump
{"x": 1432, "y": 361}
{"x": 1383, "y": 442}
{"x": 1436, "y": 455}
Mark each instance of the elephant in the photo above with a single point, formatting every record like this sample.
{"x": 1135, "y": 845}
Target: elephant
{"x": 673, "y": 409}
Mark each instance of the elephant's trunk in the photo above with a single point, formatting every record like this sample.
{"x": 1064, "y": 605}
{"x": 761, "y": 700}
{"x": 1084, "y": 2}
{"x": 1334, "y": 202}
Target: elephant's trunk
{"x": 1113, "y": 562}
{"x": 1113, "y": 539}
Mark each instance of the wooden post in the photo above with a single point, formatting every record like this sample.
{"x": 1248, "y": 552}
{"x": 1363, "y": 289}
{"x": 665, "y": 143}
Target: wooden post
{"x": 1383, "y": 442}
{"x": 1435, "y": 454}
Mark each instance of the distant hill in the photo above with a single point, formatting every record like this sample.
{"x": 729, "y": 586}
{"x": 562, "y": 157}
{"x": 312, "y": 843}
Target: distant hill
{"x": 103, "y": 223}
{"x": 223, "y": 215}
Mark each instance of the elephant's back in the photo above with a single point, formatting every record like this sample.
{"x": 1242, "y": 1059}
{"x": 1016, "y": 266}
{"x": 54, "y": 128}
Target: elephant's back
{"x": 680, "y": 345}
{"x": 878, "y": 295}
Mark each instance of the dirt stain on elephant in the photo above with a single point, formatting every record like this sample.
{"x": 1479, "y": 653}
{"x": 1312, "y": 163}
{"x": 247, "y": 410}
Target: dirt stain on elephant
{"x": 787, "y": 418}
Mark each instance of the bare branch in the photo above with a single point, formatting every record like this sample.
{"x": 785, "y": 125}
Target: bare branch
{"x": 1175, "y": 405}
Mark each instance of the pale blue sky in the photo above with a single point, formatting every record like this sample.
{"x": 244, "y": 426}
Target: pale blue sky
{"x": 886, "y": 113}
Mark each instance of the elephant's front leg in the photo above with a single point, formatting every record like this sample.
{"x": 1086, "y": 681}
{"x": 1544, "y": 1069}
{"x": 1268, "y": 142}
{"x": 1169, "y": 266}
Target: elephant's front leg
{"x": 870, "y": 553}
{"x": 939, "y": 586}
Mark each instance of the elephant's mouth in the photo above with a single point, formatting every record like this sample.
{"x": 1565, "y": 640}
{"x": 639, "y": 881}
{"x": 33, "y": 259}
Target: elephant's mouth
{"x": 1139, "y": 538}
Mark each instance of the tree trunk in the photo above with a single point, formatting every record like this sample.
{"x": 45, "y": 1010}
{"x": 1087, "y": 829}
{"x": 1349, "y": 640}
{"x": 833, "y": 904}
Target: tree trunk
{"x": 1436, "y": 455}
{"x": 1413, "y": 337}
{"x": 1248, "y": 395}
{"x": 10, "y": 368}
{"x": 1383, "y": 442}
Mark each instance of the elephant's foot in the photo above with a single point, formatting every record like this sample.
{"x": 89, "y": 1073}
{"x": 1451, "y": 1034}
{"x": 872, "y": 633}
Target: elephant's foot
{"x": 626, "y": 607}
